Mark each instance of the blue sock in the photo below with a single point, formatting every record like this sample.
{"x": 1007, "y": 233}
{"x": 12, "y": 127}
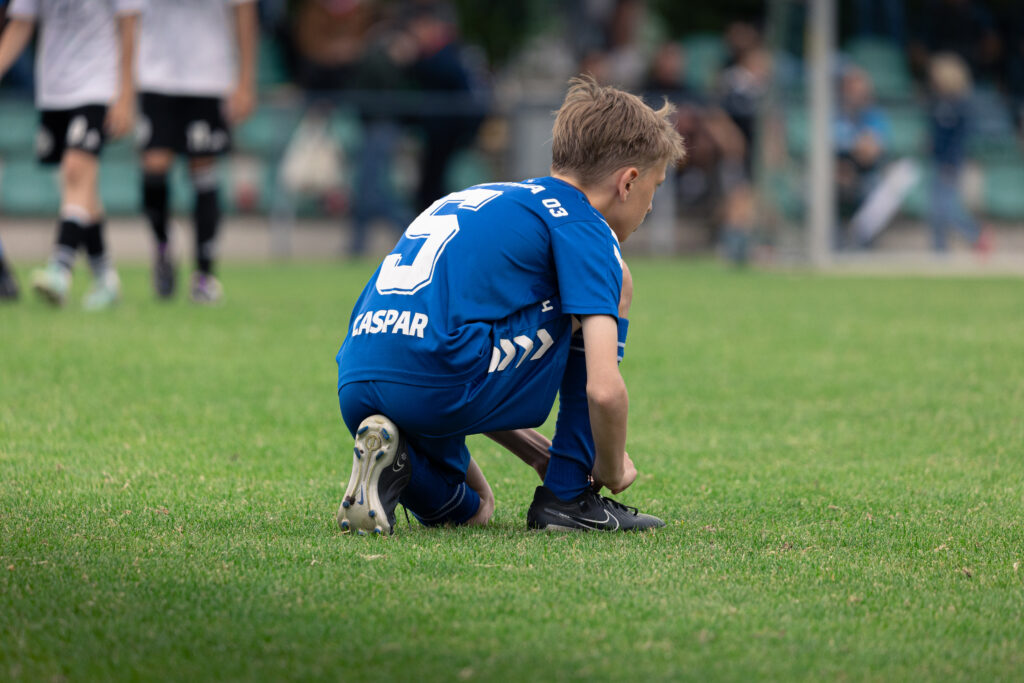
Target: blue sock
{"x": 434, "y": 498}
{"x": 572, "y": 450}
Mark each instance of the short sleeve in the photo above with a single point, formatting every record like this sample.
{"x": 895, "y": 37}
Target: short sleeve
{"x": 23, "y": 9}
{"x": 588, "y": 268}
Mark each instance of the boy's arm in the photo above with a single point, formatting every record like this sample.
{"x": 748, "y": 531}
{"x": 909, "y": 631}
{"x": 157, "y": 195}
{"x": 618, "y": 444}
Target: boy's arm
{"x": 528, "y": 445}
{"x": 121, "y": 114}
{"x": 608, "y": 402}
{"x": 242, "y": 101}
{"x": 15, "y": 38}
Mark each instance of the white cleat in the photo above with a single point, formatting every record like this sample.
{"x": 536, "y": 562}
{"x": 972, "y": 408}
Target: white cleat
{"x": 380, "y": 472}
{"x": 105, "y": 292}
{"x": 52, "y": 283}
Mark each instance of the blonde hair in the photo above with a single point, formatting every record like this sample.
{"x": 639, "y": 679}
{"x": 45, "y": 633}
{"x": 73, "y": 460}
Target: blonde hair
{"x": 600, "y": 129}
{"x": 949, "y": 75}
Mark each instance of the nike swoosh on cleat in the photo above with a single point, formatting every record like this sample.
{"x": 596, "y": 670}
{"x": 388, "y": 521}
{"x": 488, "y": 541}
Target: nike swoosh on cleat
{"x": 361, "y": 497}
{"x": 399, "y": 465}
{"x": 590, "y": 523}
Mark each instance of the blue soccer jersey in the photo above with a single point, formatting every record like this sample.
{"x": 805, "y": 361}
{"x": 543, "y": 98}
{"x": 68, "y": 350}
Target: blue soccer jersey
{"x": 434, "y": 311}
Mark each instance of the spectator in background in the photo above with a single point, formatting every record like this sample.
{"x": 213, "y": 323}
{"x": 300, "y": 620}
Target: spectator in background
{"x": 383, "y": 66}
{"x": 742, "y": 87}
{"x": 965, "y": 27}
{"x": 666, "y": 77}
{"x": 861, "y": 132}
{"x": 1015, "y": 67}
{"x": 605, "y": 38}
{"x": 193, "y": 91}
{"x": 84, "y": 92}
{"x": 440, "y": 66}
{"x": 19, "y": 76}
{"x": 329, "y": 38}
{"x": 8, "y": 285}
{"x": 949, "y": 120}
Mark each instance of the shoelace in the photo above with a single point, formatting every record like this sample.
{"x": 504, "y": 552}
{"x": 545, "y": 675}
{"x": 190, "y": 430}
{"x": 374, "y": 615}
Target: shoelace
{"x": 628, "y": 508}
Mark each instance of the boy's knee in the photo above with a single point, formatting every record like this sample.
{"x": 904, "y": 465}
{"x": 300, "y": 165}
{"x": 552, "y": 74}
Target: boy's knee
{"x": 157, "y": 161}
{"x": 78, "y": 169}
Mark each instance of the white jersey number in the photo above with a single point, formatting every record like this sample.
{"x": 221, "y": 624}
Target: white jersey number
{"x": 436, "y": 231}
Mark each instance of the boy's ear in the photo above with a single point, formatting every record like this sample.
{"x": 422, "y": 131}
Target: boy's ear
{"x": 624, "y": 181}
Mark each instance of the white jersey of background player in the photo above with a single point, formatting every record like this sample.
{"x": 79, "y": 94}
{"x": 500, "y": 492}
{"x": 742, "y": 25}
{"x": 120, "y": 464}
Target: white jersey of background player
{"x": 84, "y": 90}
{"x": 187, "y": 47}
{"x": 196, "y": 76}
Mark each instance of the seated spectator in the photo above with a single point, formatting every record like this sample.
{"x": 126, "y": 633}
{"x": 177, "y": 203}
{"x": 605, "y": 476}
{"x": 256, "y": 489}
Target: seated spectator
{"x": 861, "y": 133}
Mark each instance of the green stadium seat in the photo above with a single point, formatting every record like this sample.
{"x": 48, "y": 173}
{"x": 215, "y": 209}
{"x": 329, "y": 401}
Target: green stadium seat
{"x": 1004, "y": 191}
{"x": 120, "y": 186}
{"x": 916, "y": 203}
{"x": 705, "y": 55}
{"x": 468, "y": 167}
{"x": 346, "y": 128}
{"x": 886, "y": 64}
{"x": 267, "y": 131}
{"x": 909, "y": 130}
{"x": 798, "y": 130}
{"x": 26, "y": 188}
{"x": 18, "y": 125}
{"x": 270, "y": 69}
{"x": 122, "y": 149}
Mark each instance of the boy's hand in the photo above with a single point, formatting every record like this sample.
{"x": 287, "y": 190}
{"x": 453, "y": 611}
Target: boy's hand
{"x": 616, "y": 482}
{"x": 121, "y": 116}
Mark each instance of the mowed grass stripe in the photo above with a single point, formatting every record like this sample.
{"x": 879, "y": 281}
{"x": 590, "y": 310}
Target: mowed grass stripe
{"x": 838, "y": 458}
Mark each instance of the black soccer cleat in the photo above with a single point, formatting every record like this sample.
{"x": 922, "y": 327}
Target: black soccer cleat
{"x": 587, "y": 512}
{"x": 165, "y": 275}
{"x": 380, "y": 472}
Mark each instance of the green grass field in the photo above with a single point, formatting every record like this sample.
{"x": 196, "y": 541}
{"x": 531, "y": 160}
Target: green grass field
{"x": 840, "y": 461}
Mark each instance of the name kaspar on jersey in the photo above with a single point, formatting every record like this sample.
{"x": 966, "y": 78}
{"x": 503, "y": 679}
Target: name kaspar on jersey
{"x": 390, "y": 320}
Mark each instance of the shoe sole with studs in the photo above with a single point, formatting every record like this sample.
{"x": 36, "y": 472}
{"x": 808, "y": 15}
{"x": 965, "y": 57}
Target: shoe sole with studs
{"x": 376, "y": 448}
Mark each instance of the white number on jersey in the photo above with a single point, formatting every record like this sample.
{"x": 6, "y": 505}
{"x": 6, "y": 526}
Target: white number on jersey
{"x": 555, "y": 207}
{"x": 437, "y": 231}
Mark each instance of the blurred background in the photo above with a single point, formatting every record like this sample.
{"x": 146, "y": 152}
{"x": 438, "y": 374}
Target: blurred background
{"x": 823, "y": 131}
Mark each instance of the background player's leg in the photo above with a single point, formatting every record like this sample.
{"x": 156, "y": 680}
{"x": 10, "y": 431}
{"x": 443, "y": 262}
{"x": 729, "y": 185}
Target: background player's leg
{"x": 79, "y": 173}
{"x": 156, "y": 164}
{"x": 80, "y": 188}
{"x": 206, "y": 215}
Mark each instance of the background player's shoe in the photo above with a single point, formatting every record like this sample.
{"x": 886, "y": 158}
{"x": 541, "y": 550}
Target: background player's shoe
{"x": 52, "y": 283}
{"x": 8, "y": 285}
{"x": 164, "y": 274}
{"x": 105, "y": 292}
{"x": 206, "y": 289}
{"x": 588, "y": 512}
{"x": 380, "y": 472}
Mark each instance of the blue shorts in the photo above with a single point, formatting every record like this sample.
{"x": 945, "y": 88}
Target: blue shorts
{"x": 516, "y": 391}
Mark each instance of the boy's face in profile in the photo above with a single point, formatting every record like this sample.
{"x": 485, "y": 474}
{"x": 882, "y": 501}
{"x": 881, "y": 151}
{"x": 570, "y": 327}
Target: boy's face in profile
{"x": 629, "y": 214}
